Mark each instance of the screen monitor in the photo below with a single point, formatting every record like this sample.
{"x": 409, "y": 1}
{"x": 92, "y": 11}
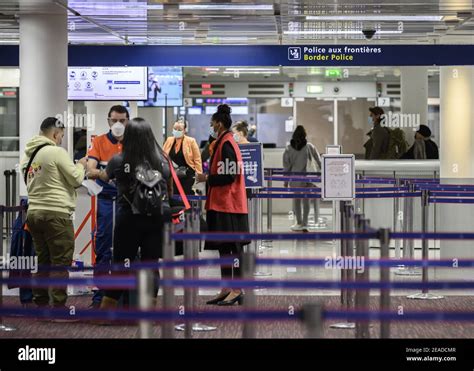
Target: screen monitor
{"x": 107, "y": 83}
{"x": 165, "y": 87}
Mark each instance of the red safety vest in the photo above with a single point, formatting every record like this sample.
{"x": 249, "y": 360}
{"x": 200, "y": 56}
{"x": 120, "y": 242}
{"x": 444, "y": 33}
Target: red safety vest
{"x": 230, "y": 198}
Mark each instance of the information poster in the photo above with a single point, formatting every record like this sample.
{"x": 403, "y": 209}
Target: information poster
{"x": 107, "y": 83}
{"x": 338, "y": 177}
{"x": 252, "y": 158}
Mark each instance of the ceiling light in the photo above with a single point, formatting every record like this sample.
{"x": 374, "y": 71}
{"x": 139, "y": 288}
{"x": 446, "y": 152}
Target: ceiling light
{"x": 225, "y": 7}
{"x": 337, "y": 32}
{"x": 362, "y": 17}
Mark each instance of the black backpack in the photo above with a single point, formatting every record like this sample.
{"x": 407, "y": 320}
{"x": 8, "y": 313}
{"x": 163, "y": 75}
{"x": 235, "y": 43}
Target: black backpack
{"x": 148, "y": 191}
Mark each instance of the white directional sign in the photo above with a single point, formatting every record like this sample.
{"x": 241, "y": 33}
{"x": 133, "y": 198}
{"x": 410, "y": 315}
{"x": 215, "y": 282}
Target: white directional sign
{"x": 337, "y": 177}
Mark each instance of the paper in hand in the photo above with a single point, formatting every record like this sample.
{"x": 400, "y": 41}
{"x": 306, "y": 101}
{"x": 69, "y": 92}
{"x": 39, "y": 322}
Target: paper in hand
{"x": 93, "y": 189}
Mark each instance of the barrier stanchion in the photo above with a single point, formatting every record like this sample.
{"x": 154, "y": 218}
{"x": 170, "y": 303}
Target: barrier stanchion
{"x": 259, "y": 249}
{"x": 384, "y": 237}
{"x": 425, "y": 295}
{"x": 3, "y": 326}
{"x": 248, "y": 268}
{"x": 362, "y": 296}
{"x": 408, "y": 243}
{"x": 313, "y": 320}
{"x": 7, "y": 204}
{"x": 269, "y": 243}
{"x": 167, "y": 330}
{"x": 188, "y": 275}
{"x": 196, "y": 247}
{"x": 359, "y": 206}
{"x": 397, "y": 217}
{"x": 346, "y": 251}
{"x": 145, "y": 301}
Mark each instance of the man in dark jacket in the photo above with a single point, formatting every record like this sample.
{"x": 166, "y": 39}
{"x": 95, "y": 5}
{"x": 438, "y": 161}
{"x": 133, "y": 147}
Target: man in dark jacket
{"x": 424, "y": 147}
{"x": 377, "y": 145}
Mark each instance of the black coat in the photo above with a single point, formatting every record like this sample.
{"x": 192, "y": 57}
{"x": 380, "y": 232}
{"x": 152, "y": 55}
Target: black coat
{"x": 431, "y": 149}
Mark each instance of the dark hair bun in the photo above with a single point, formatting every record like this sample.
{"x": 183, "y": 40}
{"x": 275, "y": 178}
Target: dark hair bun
{"x": 224, "y": 109}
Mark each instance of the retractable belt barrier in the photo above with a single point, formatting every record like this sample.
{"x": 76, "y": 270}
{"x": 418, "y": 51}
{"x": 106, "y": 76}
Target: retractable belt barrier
{"x": 354, "y": 284}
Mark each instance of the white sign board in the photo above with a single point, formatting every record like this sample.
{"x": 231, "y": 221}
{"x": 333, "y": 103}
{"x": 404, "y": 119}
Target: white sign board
{"x": 287, "y": 102}
{"x": 383, "y": 101}
{"x": 188, "y": 102}
{"x": 334, "y": 149}
{"x": 338, "y": 177}
{"x": 289, "y": 126}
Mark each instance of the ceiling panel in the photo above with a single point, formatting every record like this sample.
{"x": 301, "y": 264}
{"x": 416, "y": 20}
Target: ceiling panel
{"x": 246, "y": 22}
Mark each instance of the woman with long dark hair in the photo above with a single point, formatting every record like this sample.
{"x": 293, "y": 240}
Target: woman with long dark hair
{"x": 226, "y": 205}
{"x": 298, "y": 157}
{"x": 141, "y": 156}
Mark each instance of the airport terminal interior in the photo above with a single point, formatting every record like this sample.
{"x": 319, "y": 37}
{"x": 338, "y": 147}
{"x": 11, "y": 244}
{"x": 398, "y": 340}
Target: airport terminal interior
{"x": 357, "y": 225}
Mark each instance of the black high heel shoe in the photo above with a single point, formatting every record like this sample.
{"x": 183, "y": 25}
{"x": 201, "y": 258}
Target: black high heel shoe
{"x": 238, "y": 299}
{"x": 218, "y": 298}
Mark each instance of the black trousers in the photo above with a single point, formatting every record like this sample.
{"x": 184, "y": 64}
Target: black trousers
{"x": 134, "y": 233}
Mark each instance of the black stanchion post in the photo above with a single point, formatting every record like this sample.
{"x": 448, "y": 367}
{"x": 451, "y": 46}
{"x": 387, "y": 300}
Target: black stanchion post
{"x": 248, "y": 268}
{"x": 346, "y": 251}
{"x": 342, "y": 207}
{"x": 313, "y": 319}
{"x": 396, "y": 216}
{"x": 269, "y": 243}
{"x": 13, "y": 174}
{"x": 145, "y": 301}
{"x": 3, "y": 326}
{"x": 351, "y": 250}
{"x": 196, "y": 220}
{"x": 196, "y": 247}
{"x": 408, "y": 244}
{"x": 384, "y": 237}
{"x": 425, "y": 295}
{"x": 167, "y": 330}
{"x": 362, "y": 296}
{"x": 188, "y": 246}
{"x": 7, "y": 203}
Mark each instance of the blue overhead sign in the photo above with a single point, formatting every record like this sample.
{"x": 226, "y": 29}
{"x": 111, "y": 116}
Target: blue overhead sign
{"x": 252, "y": 158}
{"x": 260, "y": 55}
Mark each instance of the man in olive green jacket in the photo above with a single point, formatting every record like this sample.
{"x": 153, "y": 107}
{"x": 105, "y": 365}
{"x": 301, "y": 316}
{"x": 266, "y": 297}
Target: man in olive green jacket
{"x": 52, "y": 179}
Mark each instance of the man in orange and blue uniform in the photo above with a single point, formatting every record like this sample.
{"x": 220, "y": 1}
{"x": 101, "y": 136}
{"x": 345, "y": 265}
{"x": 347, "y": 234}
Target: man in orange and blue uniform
{"x": 102, "y": 149}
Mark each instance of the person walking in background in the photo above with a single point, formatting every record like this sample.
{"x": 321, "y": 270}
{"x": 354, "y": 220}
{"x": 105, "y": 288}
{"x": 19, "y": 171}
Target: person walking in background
{"x": 423, "y": 148}
{"x": 226, "y": 204}
{"x": 379, "y": 137}
{"x": 299, "y": 156}
{"x": 51, "y": 179}
{"x": 184, "y": 152}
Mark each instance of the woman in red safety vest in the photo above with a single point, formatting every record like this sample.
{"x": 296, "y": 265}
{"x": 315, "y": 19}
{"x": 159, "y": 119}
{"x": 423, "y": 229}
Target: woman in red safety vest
{"x": 226, "y": 205}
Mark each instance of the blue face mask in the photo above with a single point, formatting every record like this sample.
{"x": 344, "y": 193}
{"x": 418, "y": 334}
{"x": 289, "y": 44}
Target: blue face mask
{"x": 237, "y": 138}
{"x": 369, "y": 120}
{"x": 177, "y": 133}
{"x": 212, "y": 133}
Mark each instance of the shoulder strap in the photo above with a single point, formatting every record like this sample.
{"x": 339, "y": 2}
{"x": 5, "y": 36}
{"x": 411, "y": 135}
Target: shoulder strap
{"x": 187, "y": 206}
{"x": 32, "y": 157}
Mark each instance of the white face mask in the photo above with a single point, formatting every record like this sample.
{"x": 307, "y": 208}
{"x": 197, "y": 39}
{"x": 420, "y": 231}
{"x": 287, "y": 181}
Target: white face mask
{"x": 177, "y": 133}
{"x": 237, "y": 137}
{"x": 118, "y": 129}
